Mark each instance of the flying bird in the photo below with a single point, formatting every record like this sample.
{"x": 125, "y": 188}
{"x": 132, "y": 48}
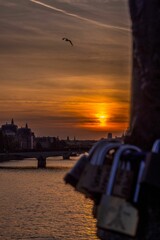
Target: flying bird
{"x": 67, "y": 40}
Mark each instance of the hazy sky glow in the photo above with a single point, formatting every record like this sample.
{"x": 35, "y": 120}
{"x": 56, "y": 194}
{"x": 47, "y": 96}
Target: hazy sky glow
{"x": 60, "y": 90}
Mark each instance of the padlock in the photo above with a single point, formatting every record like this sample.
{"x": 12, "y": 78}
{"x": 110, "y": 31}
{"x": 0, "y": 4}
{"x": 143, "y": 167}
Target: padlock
{"x": 149, "y": 197}
{"x": 151, "y": 174}
{"x": 91, "y": 181}
{"x": 90, "y": 169}
{"x": 86, "y": 171}
{"x": 105, "y": 235}
{"x": 156, "y": 146}
{"x": 98, "y": 184}
{"x": 73, "y": 176}
{"x": 116, "y": 214}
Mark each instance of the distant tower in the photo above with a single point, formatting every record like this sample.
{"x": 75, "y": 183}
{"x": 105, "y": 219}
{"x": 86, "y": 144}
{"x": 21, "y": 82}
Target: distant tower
{"x": 26, "y": 125}
{"x": 109, "y": 136}
{"x": 12, "y": 121}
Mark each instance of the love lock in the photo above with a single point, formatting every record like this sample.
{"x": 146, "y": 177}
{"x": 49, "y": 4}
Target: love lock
{"x": 97, "y": 185}
{"x": 149, "y": 199}
{"x": 151, "y": 175}
{"x": 73, "y": 176}
{"x": 156, "y": 146}
{"x": 115, "y": 213}
{"x": 92, "y": 181}
{"x": 89, "y": 169}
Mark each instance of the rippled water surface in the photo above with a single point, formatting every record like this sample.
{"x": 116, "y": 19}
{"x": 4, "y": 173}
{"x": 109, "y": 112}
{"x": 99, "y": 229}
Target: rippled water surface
{"x": 36, "y": 204}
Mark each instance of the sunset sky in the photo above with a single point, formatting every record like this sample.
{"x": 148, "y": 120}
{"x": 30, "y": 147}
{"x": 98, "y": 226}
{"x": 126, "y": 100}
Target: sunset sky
{"x": 58, "y": 89}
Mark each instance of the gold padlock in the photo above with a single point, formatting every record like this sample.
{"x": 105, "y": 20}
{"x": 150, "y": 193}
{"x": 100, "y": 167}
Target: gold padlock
{"x": 115, "y": 213}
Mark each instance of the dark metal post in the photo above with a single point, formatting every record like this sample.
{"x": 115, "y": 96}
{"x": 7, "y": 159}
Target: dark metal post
{"x": 145, "y": 108}
{"x": 145, "y": 92}
{"x": 41, "y": 162}
{"x": 145, "y": 102}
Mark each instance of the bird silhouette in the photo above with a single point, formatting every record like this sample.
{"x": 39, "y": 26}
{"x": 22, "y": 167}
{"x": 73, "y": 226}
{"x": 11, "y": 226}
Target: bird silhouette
{"x": 67, "y": 40}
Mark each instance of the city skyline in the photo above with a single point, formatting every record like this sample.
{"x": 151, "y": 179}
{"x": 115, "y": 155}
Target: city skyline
{"x": 9, "y": 128}
{"x": 81, "y": 91}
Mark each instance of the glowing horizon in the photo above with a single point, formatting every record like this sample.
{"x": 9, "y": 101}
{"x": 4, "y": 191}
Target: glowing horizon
{"x": 57, "y": 89}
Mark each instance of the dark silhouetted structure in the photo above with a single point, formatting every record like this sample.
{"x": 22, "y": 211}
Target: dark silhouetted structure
{"x": 145, "y": 92}
{"x": 145, "y": 104}
{"x": 41, "y": 162}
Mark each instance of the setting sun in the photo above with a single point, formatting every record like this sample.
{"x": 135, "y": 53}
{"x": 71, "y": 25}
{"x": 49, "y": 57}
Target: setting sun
{"x": 102, "y": 118}
{"x": 62, "y": 90}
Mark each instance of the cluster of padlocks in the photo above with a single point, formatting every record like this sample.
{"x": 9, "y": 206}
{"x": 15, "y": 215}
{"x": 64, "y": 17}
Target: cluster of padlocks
{"x": 111, "y": 175}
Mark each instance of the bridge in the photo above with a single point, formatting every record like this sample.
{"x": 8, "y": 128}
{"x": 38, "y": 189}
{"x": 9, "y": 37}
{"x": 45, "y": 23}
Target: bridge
{"x": 40, "y": 156}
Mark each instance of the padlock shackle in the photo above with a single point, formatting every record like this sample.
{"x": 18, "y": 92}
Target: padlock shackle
{"x": 93, "y": 151}
{"x": 100, "y": 150}
{"x": 156, "y": 146}
{"x": 106, "y": 149}
{"x": 116, "y": 163}
{"x": 96, "y": 145}
{"x": 94, "y": 156}
{"x": 141, "y": 170}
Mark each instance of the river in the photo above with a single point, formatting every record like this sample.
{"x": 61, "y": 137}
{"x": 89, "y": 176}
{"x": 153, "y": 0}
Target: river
{"x": 36, "y": 204}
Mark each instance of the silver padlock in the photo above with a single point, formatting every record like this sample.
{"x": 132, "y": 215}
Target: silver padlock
{"x": 104, "y": 167}
{"x": 104, "y": 161}
{"x": 96, "y": 145}
{"x": 90, "y": 180}
{"x": 98, "y": 182}
{"x": 115, "y": 214}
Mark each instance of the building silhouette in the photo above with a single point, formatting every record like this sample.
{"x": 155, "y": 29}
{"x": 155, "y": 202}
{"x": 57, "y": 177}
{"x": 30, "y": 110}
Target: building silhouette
{"x": 17, "y": 138}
